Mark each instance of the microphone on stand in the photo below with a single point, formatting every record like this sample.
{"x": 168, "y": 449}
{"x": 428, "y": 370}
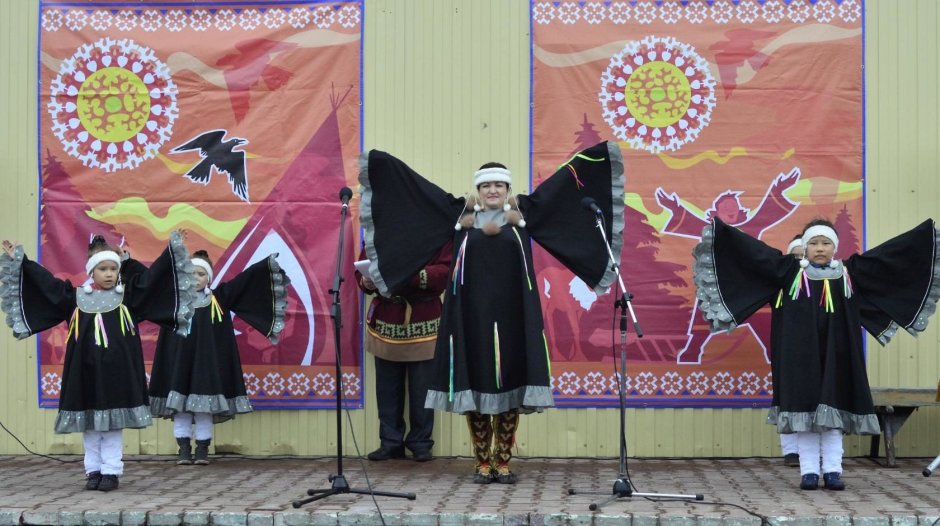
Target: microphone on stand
{"x": 589, "y": 203}
{"x": 345, "y": 194}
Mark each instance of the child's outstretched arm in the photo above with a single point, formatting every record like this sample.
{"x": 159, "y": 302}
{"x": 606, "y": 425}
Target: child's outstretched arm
{"x": 258, "y": 295}
{"x": 900, "y": 279}
{"x": 736, "y": 274}
{"x": 30, "y": 296}
{"x": 165, "y": 292}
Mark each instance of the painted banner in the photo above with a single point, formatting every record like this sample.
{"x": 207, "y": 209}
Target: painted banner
{"x": 751, "y": 111}
{"x": 236, "y": 121}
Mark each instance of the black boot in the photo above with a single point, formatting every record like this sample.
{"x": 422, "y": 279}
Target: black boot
{"x": 202, "y": 452}
{"x": 92, "y": 480}
{"x": 185, "y": 455}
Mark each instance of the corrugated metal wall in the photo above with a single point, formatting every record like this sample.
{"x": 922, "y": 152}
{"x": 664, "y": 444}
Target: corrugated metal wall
{"x": 446, "y": 89}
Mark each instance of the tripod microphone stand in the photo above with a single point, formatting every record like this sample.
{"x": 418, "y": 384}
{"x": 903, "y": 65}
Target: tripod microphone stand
{"x": 623, "y": 486}
{"x": 339, "y": 483}
{"x": 931, "y": 467}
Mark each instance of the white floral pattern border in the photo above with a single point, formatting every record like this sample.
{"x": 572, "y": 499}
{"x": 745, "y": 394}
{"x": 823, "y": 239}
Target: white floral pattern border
{"x": 669, "y": 384}
{"x": 272, "y": 385}
{"x": 697, "y": 11}
{"x": 567, "y": 383}
{"x": 329, "y": 16}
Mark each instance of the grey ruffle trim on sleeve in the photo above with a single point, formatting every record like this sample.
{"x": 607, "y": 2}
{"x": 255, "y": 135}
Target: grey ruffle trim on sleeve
{"x": 617, "y": 180}
{"x": 368, "y": 226}
{"x": 11, "y": 293}
{"x": 279, "y": 284}
{"x": 103, "y": 419}
{"x": 919, "y": 323}
{"x": 185, "y": 284}
{"x": 706, "y": 284}
{"x": 889, "y": 333}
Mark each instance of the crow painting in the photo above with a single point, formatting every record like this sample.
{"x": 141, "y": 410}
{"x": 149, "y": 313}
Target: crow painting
{"x": 223, "y": 156}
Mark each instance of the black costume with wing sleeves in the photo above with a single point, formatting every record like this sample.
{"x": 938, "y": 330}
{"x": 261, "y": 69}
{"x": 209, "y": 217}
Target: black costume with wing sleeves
{"x": 202, "y": 372}
{"x": 557, "y": 220}
{"x": 103, "y": 382}
{"x": 491, "y": 354}
{"x": 819, "y": 373}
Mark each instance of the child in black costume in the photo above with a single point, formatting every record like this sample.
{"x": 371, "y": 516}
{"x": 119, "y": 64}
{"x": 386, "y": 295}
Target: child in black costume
{"x": 820, "y": 380}
{"x": 104, "y": 389}
{"x": 199, "y": 377}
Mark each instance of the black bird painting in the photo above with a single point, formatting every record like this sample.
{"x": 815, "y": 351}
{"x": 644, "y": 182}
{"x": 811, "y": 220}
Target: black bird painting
{"x": 219, "y": 154}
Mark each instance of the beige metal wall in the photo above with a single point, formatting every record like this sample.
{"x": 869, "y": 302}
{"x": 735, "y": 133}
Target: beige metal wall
{"x": 446, "y": 89}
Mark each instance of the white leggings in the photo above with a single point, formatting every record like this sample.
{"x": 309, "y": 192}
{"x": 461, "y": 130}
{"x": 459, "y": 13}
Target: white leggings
{"x": 103, "y": 452}
{"x": 827, "y": 445}
{"x": 789, "y": 443}
{"x": 182, "y": 425}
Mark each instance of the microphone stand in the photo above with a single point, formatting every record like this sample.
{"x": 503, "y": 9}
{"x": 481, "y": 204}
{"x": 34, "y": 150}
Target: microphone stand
{"x": 339, "y": 483}
{"x": 623, "y": 486}
{"x": 931, "y": 467}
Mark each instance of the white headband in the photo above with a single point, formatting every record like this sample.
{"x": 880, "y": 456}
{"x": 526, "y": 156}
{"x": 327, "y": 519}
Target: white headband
{"x": 98, "y": 257}
{"x": 203, "y": 264}
{"x": 794, "y": 244}
{"x": 821, "y": 230}
{"x": 492, "y": 175}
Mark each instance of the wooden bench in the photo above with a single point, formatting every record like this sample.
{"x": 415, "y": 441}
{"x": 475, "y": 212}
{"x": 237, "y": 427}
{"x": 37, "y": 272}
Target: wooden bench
{"x": 894, "y": 405}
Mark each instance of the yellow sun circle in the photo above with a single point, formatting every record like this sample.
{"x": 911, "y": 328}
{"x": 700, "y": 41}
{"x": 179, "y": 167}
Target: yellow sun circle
{"x": 113, "y": 104}
{"x": 658, "y": 94}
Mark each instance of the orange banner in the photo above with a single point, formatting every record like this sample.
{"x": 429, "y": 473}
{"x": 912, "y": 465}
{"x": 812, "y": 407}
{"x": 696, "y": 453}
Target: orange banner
{"x": 238, "y": 122}
{"x": 751, "y": 111}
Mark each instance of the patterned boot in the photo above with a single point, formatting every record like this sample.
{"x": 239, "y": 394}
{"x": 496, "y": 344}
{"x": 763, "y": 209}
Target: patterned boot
{"x": 185, "y": 455}
{"x": 202, "y": 452}
{"x": 504, "y": 427}
{"x": 481, "y": 437}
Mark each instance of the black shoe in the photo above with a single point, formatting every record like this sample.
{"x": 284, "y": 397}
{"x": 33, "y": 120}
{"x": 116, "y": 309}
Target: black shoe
{"x": 386, "y": 453}
{"x": 422, "y": 455}
{"x": 809, "y": 482}
{"x": 108, "y": 483}
{"x": 791, "y": 460}
{"x": 185, "y": 454}
{"x": 92, "y": 480}
{"x": 202, "y": 452}
{"x": 482, "y": 477}
{"x": 833, "y": 481}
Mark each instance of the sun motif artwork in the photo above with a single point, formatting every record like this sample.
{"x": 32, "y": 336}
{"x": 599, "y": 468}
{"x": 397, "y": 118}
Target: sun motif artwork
{"x": 657, "y": 94}
{"x": 113, "y": 104}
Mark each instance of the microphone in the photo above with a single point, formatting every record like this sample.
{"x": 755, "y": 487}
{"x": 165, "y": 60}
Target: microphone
{"x": 590, "y": 204}
{"x": 345, "y": 194}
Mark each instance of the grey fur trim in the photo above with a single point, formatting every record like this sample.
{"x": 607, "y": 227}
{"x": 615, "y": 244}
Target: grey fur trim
{"x": 706, "y": 283}
{"x": 102, "y": 419}
{"x": 929, "y": 306}
{"x": 527, "y": 399}
{"x": 221, "y": 408}
{"x": 888, "y": 333}
{"x": 368, "y": 226}
{"x": 11, "y": 293}
{"x": 279, "y": 284}
{"x": 825, "y": 418}
{"x": 617, "y": 180}
{"x": 185, "y": 284}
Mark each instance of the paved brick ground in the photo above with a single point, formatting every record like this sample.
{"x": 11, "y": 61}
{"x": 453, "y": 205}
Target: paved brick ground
{"x": 255, "y": 492}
